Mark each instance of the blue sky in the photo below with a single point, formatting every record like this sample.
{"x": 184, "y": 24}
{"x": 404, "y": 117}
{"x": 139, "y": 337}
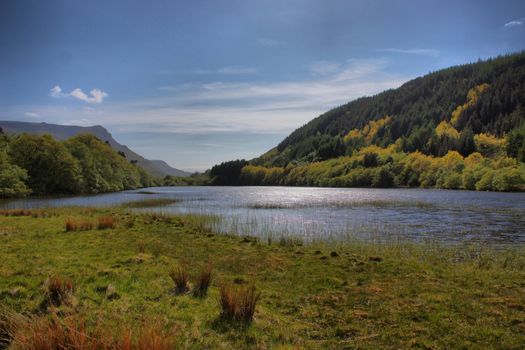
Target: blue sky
{"x": 199, "y": 82}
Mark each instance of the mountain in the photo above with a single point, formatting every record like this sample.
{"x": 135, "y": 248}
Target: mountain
{"x": 62, "y": 132}
{"x": 458, "y": 128}
{"x": 163, "y": 167}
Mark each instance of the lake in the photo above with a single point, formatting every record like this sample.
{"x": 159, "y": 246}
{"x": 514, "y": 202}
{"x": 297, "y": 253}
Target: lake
{"x": 333, "y": 213}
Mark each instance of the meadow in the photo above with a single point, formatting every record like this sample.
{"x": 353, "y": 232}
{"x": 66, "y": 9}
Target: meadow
{"x": 112, "y": 278}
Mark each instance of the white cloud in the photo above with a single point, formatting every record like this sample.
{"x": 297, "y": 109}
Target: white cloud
{"x": 424, "y": 52}
{"x": 96, "y": 96}
{"x": 232, "y": 70}
{"x": 515, "y": 23}
{"x": 32, "y": 115}
{"x": 323, "y": 67}
{"x": 56, "y": 92}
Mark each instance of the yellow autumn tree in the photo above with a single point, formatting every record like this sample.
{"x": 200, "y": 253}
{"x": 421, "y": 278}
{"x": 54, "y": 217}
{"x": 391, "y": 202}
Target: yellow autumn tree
{"x": 472, "y": 98}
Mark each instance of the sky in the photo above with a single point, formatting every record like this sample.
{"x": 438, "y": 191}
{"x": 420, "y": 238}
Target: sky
{"x": 196, "y": 83}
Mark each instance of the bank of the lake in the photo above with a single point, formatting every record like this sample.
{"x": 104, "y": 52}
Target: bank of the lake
{"x": 360, "y": 295}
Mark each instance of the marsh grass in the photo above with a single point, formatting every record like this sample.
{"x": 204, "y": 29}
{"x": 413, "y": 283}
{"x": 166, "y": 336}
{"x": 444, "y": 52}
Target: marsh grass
{"x": 180, "y": 277}
{"x": 73, "y": 224}
{"x": 203, "y": 281}
{"x": 52, "y": 333}
{"x": 238, "y": 303}
{"x": 106, "y": 222}
{"x": 151, "y": 203}
{"x": 370, "y": 294}
{"x": 58, "y": 290}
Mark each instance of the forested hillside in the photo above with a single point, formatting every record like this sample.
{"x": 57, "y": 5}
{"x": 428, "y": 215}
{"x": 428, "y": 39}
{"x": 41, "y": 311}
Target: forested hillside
{"x": 458, "y": 128}
{"x": 40, "y": 164}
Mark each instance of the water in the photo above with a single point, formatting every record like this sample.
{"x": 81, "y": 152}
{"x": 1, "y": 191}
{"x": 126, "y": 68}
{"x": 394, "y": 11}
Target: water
{"x": 334, "y": 214}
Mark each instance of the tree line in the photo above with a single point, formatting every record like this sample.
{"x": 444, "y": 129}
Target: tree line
{"x": 42, "y": 165}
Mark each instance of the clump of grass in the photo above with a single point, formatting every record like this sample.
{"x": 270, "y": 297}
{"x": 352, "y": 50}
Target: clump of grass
{"x": 106, "y": 222}
{"x": 151, "y": 203}
{"x": 180, "y": 277}
{"x": 238, "y": 303}
{"x": 58, "y": 290}
{"x": 203, "y": 281}
{"x": 73, "y": 224}
{"x": 42, "y": 333}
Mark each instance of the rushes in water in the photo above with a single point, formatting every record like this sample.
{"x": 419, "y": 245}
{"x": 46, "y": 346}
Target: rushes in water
{"x": 238, "y": 304}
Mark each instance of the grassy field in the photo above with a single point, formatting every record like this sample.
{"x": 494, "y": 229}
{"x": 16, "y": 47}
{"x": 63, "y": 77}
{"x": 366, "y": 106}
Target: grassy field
{"x": 360, "y": 295}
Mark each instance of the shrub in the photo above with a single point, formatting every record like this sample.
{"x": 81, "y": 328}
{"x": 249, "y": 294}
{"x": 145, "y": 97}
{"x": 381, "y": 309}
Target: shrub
{"x": 238, "y": 304}
{"x": 106, "y": 222}
{"x": 203, "y": 281}
{"x": 180, "y": 277}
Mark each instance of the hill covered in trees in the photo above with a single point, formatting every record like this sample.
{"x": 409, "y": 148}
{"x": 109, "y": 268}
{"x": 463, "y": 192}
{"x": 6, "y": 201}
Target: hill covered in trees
{"x": 458, "y": 128}
{"x": 41, "y": 164}
{"x": 155, "y": 168}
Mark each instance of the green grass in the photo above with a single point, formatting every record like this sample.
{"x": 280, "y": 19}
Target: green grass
{"x": 322, "y": 296}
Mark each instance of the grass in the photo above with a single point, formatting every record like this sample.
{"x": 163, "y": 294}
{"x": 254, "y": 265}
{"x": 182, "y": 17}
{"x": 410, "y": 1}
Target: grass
{"x": 151, "y": 203}
{"x": 238, "y": 303}
{"x": 180, "y": 277}
{"x": 203, "y": 281}
{"x": 366, "y": 295}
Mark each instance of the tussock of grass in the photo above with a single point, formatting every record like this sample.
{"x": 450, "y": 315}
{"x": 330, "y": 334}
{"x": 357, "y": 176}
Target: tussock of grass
{"x": 238, "y": 303}
{"x": 58, "y": 290}
{"x": 181, "y": 278}
{"x": 35, "y": 213}
{"x": 73, "y": 224}
{"x": 203, "y": 281}
{"x": 44, "y": 333}
{"x": 106, "y": 222}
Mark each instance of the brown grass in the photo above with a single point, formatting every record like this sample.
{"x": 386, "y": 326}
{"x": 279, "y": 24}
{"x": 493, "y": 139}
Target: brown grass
{"x": 180, "y": 277}
{"x": 106, "y": 222}
{"x": 203, "y": 281}
{"x": 238, "y": 303}
{"x": 44, "y": 333}
{"x": 35, "y": 213}
{"x": 73, "y": 224}
{"x": 58, "y": 290}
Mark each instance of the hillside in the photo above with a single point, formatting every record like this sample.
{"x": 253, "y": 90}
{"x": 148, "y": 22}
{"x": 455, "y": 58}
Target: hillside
{"x": 63, "y": 132}
{"x": 461, "y": 127}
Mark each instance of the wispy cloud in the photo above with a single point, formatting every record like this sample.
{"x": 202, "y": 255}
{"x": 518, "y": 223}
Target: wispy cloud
{"x": 515, "y": 23}
{"x": 32, "y": 115}
{"x": 233, "y": 70}
{"x": 226, "y": 106}
{"x": 96, "y": 96}
{"x": 269, "y": 42}
{"x": 416, "y": 51}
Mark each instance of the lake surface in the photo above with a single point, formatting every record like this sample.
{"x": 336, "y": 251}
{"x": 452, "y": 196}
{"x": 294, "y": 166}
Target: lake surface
{"x": 333, "y": 213}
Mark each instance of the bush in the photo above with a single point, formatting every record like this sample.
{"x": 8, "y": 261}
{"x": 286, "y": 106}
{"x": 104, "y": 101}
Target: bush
{"x": 238, "y": 304}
